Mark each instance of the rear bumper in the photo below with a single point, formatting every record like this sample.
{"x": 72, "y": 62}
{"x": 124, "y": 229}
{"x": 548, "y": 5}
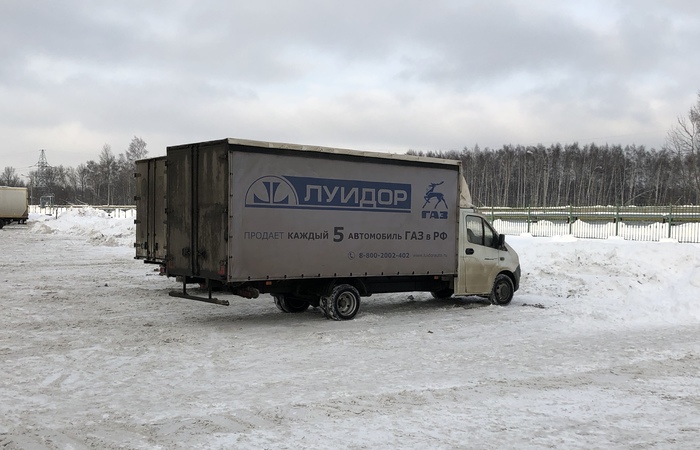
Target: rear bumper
{"x": 516, "y": 276}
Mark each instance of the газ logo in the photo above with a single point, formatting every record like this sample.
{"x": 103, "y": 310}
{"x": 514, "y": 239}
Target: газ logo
{"x": 439, "y": 198}
{"x": 328, "y": 193}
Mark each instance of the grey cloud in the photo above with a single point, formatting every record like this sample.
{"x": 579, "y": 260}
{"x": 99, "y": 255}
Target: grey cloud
{"x": 386, "y": 74}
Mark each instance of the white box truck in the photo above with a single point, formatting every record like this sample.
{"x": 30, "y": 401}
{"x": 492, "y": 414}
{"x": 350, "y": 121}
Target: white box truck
{"x": 14, "y": 206}
{"x": 322, "y": 226}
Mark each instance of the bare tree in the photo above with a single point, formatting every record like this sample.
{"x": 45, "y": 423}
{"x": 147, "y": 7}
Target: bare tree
{"x": 10, "y": 178}
{"x": 684, "y": 140}
{"x": 94, "y": 181}
{"x": 107, "y": 169}
{"x": 137, "y": 150}
{"x": 83, "y": 178}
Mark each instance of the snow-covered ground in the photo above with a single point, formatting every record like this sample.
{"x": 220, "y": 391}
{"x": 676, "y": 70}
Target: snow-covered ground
{"x": 599, "y": 349}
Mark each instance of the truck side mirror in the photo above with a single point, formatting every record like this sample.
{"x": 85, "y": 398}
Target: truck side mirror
{"x": 501, "y": 240}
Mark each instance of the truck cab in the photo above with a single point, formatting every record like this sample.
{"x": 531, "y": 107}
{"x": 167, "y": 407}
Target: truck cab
{"x": 487, "y": 265}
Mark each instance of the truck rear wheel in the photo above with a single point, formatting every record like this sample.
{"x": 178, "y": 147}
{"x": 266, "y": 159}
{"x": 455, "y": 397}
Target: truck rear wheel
{"x": 289, "y": 304}
{"x": 342, "y": 304}
{"x": 296, "y": 305}
{"x": 502, "y": 292}
{"x": 279, "y": 303}
{"x": 442, "y": 294}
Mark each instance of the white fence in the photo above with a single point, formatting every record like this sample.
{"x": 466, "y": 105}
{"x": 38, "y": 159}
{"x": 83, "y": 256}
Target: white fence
{"x": 117, "y": 211}
{"x": 681, "y": 223}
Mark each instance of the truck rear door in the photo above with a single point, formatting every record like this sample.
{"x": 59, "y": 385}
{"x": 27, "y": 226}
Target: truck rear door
{"x": 180, "y": 259}
{"x": 150, "y": 209}
{"x": 197, "y": 179}
{"x": 142, "y": 208}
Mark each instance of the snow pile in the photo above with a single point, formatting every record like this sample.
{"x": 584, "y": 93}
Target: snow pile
{"x": 98, "y": 226}
{"x": 594, "y": 283}
{"x": 611, "y": 281}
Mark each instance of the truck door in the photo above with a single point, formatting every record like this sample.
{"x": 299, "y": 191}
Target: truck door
{"x": 478, "y": 255}
{"x": 197, "y": 180}
{"x": 181, "y": 192}
{"x": 142, "y": 209}
{"x": 159, "y": 229}
{"x": 150, "y": 209}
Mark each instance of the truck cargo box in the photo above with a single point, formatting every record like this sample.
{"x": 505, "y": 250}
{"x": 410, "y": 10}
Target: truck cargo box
{"x": 14, "y": 205}
{"x": 244, "y": 210}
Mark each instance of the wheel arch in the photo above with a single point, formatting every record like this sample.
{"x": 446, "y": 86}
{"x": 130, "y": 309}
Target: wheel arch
{"x": 357, "y": 283}
{"x": 515, "y": 279}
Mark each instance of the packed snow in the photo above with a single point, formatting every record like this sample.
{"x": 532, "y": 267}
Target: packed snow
{"x": 600, "y": 348}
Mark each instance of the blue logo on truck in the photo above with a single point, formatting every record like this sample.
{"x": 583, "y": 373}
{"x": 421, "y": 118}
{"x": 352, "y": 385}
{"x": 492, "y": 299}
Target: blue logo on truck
{"x": 271, "y": 191}
{"x": 329, "y": 194}
{"x": 434, "y": 198}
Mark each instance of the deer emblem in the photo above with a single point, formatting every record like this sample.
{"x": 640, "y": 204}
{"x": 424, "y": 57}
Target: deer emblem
{"x": 431, "y": 194}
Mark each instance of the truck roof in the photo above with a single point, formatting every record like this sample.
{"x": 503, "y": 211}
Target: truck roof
{"x": 329, "y": 150}
{"x": 341, "y": 151}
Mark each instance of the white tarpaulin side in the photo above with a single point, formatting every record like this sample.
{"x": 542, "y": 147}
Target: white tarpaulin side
{"x": 295, "y": 215}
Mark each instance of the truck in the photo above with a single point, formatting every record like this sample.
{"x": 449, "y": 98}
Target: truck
{"x": 316, "y": 226}
{"x": 14, "y": 205}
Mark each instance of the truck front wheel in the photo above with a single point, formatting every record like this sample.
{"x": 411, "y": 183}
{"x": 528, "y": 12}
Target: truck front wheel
{"x": 502, "y": 292}
{"x": 342, "y": 304}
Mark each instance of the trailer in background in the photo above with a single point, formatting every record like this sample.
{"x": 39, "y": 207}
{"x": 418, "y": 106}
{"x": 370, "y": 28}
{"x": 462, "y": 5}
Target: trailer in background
{"x": 14, "y": 205}
{"x": 150, "y": 210}
{"x": 321, "y": 226}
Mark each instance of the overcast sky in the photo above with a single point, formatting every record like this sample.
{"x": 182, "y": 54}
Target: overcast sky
{"x": 386, "y": 75}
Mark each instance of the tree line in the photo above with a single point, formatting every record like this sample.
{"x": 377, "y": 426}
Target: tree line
{"x": 560, "y": 175}
{"x": 583, "y": 175}
{"x": 108, "y": 180}
{"x": 515, "y": 176}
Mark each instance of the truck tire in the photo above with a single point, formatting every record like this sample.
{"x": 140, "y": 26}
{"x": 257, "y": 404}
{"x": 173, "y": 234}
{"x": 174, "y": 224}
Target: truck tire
{"x": 323, "y": 304}
{"x": 342, "y": 304}
{"x": 289, "y": 304}
{"x": 296, "y": 305}
{"x": 280, "y": 303}
{"x": 502, "y": 292}
{"x": 442, "y": 294}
